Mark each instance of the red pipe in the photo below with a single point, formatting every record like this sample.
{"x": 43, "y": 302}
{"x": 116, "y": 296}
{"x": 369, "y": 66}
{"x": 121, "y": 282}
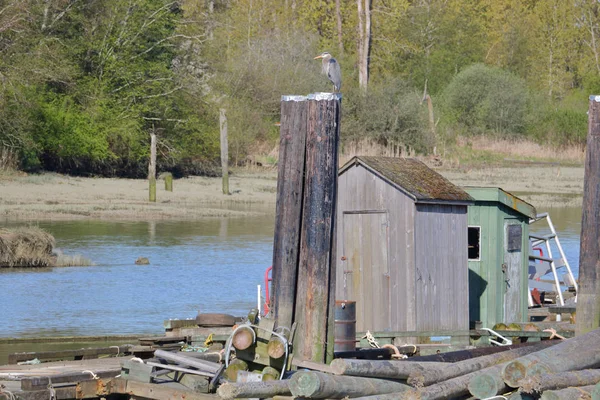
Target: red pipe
{"x": 267, "y": 280}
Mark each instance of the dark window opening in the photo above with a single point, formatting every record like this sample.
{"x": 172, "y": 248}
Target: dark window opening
{"x": 474, "y": 242}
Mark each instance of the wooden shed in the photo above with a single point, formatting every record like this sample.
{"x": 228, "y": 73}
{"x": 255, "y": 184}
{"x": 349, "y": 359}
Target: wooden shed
{"x": 402, "y": 246}
{"x": 498, "y": 256}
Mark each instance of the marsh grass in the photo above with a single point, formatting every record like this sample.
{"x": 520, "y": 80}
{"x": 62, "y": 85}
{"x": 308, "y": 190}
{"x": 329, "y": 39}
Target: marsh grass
{"x": 26, "y": 247}
{"x": 63, "y": 260}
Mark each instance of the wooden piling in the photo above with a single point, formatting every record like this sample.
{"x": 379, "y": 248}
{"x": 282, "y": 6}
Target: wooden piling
{"x": 588, "y": 296}
{"x": 169, "y": 182}
{"x": 577, "y": 353}
{"x": 224, "y": 151}
{"x": 290, "y": 190}
{"x": 152, "y": 169}
{"x": 261, "y": 390}
{"x": 561, "y": 380}
{"x": 316, "y": 274}
{"x": 568, "y": 393}
{"x": 318, "y": 385}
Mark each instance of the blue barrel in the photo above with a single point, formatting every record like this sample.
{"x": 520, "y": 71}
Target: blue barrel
{"x": 345, "y": 325}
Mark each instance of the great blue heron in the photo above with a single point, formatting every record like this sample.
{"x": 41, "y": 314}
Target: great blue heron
{"x": 331, "y": 68}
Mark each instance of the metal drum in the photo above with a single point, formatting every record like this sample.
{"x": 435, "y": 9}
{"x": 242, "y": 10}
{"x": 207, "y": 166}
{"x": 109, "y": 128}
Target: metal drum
{"x": 345, "y": 325}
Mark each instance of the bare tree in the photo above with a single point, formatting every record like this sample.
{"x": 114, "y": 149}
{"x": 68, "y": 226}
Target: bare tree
{"x": 364, "y": 42}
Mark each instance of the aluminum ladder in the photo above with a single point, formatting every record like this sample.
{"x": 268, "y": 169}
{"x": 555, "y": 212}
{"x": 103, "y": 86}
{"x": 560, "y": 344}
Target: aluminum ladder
{"x": 538, "y": 265}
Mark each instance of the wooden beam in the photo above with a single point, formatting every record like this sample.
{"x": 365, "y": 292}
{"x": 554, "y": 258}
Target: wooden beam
{"x": 42, "y": 382}
{"x": 316, "y": 274}
{"x": 588, "y": 297}
{"x": 288, "y": 214}
{"x": 88, "y": 353}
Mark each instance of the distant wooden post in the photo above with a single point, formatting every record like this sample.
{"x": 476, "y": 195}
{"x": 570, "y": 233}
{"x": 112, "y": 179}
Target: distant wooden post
{"x": 152, "y": 168}
{"x": 288, "y": 215}
{"x": 169, "y": 182}
{"x": 316, "y": 273}
{"x": 588, "y": 296}
{"x": 224, "y": 151}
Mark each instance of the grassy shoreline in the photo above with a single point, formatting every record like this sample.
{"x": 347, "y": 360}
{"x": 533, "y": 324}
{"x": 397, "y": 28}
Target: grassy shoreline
{"x": 53, "y": 196}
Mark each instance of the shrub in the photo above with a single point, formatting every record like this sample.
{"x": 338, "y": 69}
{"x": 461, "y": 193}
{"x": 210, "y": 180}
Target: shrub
{"x": 485, "y": 98}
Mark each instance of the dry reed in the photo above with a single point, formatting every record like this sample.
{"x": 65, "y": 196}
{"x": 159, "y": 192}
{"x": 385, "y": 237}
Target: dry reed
{"x": 64, "y": 260}
{"x": 525, "y": 149}
{"x": 26, "y": 247}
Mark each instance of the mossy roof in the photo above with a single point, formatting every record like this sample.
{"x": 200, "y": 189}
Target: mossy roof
{"x": 413, "y": 177}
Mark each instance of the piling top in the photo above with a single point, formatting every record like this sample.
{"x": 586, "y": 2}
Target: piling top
{"x": 293, "y": 98}
{"x": 595, "y": 98}
{"x": 325, "y": 96}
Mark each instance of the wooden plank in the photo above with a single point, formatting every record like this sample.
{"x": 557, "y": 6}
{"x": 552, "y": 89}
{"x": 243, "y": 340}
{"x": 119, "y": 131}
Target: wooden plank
{"x": 15, "y": 358}
{"x": 588, "y": 315}
{"x": 317, "y": 266}
{"x": 59, "y": 393}
{"x": 161, "y": 392}
{"x": 288, "y": 214}
{"x": 312, "y": 365}
{"x": 42, "y": 382}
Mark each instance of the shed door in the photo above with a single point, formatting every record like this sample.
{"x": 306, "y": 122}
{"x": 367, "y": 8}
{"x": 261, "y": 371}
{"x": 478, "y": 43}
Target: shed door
{"x": 512, "y": 270}
{"x": 366, "y": 277}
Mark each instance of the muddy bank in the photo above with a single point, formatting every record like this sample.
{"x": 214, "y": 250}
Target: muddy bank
{"x": 59, "y": 197}
{"x": 543, "y": 187}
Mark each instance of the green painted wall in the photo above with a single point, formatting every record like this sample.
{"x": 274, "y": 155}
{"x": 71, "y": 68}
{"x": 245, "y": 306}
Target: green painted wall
{"x": 487, "y": 284}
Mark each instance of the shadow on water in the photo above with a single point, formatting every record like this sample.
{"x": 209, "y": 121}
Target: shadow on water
{"x": 211, "y": 265}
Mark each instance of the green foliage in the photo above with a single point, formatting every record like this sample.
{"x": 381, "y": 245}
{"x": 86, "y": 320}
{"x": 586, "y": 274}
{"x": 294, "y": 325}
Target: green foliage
{"x": 390, "y": 112}
{"x": 83, "y": 83}
{"x": 484, "y": 99}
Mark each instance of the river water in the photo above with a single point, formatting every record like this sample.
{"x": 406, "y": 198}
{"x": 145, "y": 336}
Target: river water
{"x": 212, "y": 265}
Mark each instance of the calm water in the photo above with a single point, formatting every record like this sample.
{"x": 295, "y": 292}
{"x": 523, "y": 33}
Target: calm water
{"x": 211, "y": 266}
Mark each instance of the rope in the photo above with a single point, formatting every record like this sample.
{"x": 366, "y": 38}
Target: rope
{"x": 94, "y": 376}
{"x": 396, "y": 354}
{"x": 583, "y": 392}
{"x": 208, "y": 340}
{"x": 51, "y": 389}
{"x": 553, "y": 333}
{"x": 371, "y": 339}
{"x": 496, "y": 397}
{"x": 9, "y": 394}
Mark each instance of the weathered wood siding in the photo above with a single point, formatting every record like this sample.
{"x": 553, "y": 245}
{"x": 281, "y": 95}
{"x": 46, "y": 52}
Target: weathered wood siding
{"x": 441, "y": 280}
{"x": 366, "y": 201}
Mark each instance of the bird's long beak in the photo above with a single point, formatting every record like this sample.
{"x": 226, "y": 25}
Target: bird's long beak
{"x": 317, "y": 57}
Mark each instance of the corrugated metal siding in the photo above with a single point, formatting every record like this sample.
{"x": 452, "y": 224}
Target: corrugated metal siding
{"x": 361, "y": 190}
{"x": 441, "y": 284}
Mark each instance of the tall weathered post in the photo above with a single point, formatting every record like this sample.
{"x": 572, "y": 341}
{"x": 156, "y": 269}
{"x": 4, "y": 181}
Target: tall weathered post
{"x": 588, "y": 296}
{"x": 152, "y": 169}
{"x": 224, "y": 150}
{"x": 290, "y": 189}
{"x": 316, "y": 273}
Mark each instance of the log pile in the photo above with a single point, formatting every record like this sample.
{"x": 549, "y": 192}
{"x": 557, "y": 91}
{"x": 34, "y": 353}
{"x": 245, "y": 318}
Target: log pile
{"x": 552, "y": 369}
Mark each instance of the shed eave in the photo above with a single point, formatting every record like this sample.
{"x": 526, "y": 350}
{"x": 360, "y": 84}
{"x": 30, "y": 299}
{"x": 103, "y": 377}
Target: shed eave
{"x": 496, "y": 194}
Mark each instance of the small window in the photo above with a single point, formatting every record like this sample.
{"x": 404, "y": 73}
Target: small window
{"x": 474, "y": 240}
